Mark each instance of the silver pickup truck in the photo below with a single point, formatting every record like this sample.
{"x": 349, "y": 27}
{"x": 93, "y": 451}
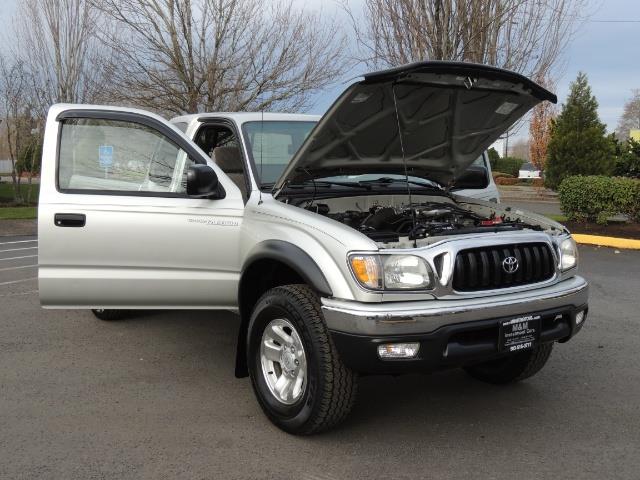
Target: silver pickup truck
{"x": 341, "y": 243}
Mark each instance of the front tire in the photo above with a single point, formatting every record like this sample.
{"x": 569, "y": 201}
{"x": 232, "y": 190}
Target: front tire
{"x": 513, "y": 368}
{"x": 296, "y": 373}
{"x": 109, "y": 315}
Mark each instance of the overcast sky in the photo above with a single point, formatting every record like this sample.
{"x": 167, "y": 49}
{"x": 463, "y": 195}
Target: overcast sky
{"x": 605, "y": 48}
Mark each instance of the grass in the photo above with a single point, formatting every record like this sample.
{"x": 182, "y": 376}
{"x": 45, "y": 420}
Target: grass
{"x": 557, "y": 218}
{"x": 6, "y": 192}
{"x": 18, "y": 213}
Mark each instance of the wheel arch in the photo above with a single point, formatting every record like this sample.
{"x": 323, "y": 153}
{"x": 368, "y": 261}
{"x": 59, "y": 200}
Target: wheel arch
{"x": 270, "y": 264}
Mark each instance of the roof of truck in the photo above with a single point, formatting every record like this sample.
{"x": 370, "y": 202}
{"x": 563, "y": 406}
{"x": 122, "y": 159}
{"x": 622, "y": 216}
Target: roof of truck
{"x": 241, "y": 117}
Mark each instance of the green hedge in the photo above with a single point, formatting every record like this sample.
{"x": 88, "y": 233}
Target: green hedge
{"x": 589, "y": 198}
{"x": 510, "y": 165}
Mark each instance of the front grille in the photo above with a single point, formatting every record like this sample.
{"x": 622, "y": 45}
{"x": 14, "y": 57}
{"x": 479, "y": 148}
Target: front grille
{"x": 485, "y": 268}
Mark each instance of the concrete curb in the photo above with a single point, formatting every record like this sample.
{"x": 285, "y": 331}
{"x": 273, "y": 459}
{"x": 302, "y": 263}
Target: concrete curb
{"x": 13, "y": 228}
{"x": 613, "y": 242}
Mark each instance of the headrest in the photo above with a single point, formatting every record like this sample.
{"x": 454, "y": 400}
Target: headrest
{"x": 228, "y": 159}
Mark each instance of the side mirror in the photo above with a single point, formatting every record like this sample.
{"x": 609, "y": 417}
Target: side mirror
{"x": 202, "y": 181}
{"x": 474, "y": 177}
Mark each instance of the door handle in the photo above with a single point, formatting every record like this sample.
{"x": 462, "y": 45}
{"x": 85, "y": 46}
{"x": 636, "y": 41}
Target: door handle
{"x": 70, "y": 219}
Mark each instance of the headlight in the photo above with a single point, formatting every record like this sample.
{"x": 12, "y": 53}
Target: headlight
{"x": 391, "y": 272}
{"x": 568, "y": 254}
{"x": 406, "y": 272}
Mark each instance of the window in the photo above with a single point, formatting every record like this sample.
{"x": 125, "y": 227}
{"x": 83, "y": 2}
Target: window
{"x": 273, "y": 143}
{"x": 118, "y": 156}
{"x": 210, "y": 137}
{"x": 221, "y": 143}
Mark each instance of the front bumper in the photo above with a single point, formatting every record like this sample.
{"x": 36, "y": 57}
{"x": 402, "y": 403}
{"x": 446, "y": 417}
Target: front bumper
{"x": 450, "y": 332}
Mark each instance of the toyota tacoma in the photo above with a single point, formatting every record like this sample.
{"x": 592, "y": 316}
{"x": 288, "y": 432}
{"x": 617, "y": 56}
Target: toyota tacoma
{"x": 343, "y": 243}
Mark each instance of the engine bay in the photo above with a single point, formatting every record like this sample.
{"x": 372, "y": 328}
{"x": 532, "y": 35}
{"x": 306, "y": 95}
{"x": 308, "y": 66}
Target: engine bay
{"x": 390, "y": 224}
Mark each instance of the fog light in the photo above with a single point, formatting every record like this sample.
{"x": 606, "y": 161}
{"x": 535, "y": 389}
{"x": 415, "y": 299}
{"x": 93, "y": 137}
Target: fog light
{"x": 579, "y": 317}
{"x": 398, "y": 350}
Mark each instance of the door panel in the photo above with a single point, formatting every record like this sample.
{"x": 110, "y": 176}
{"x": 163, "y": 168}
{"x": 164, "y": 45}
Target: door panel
{"x": 144, "y": 243}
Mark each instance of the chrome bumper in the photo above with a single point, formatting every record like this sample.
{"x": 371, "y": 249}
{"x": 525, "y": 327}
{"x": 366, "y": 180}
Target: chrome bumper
{"x": 400, "y": 318}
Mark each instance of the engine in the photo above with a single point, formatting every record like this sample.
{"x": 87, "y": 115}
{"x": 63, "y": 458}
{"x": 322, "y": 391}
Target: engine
{"x": 388, "y": 224}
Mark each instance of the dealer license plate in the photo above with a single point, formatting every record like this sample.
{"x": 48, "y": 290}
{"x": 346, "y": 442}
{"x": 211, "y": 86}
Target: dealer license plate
{"x": 519, "y": 333}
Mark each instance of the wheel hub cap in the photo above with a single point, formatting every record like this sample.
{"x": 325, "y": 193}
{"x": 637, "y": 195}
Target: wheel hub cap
{"x": 283, "y": 361}
{"x": 287, "y": 360}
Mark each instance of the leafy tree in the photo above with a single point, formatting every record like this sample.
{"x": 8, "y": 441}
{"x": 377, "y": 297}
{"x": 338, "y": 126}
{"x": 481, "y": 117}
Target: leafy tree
{"x": 540, "y": 129}
{"x": 579, "y": 144}
{"x": 628, "y": 159}
{"x": 29, "y": 156}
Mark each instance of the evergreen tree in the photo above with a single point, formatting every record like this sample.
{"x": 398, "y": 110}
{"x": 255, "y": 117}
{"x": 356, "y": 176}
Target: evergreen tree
{"x": 579, "y": 144}
{"x": 494, "y": 156}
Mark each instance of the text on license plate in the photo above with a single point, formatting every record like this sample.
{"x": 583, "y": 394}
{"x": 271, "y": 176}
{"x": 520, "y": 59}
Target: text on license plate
{"x": 519, "y": 333}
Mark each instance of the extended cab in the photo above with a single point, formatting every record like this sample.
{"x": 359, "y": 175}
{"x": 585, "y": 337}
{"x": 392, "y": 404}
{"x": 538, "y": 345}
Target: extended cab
{"x": 343, "y": 242}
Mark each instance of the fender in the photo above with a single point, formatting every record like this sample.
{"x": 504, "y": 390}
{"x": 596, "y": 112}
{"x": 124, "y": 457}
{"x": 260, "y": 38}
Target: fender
{"x": 293, "y": 257}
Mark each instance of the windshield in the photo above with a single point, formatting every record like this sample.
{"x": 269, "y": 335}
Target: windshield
{"x": 393, "y": 177}
{"x": 271, "y": 145}
{"x": 479, "y": 162}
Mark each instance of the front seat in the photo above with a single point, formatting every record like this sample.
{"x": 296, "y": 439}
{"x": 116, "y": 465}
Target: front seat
{"x": 229, "y": 160}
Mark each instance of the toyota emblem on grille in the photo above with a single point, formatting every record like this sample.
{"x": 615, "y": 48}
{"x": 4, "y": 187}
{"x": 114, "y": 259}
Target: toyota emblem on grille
{"x": 510, "y": 264}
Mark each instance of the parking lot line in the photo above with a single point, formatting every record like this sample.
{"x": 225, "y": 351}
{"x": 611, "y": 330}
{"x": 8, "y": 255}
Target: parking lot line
{"x": 18, "y": 268}
{"x": 18, "y": 281}
{"x": 18, "y": 249}
{"x": 18, "y": 241}
{"x": 17, "y": 258}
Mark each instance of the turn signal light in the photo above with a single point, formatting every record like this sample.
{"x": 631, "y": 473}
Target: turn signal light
{"x": 367, "y": 269}
{"x": 390, "y": 351}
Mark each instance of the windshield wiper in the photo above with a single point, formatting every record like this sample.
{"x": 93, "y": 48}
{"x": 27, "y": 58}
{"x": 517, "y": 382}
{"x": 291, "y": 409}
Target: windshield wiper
{"x": 328, "y": 183}
{"x": 388, "y": 180}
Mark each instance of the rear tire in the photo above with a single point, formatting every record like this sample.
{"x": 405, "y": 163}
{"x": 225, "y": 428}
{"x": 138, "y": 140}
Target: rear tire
{"x": 109, "y": 315}
{"x": 513, "y": 368}
{"x": 329, "y": 388}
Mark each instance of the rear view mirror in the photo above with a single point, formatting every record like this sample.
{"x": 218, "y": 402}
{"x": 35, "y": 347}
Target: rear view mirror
{"x": 475, "y": 177}
{"x": 202, "y": 181}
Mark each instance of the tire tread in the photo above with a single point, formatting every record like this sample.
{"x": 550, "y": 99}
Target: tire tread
{"x": 536, "y": 362}
{"x": 517, "y": 368}
{"x": 337, "y": 400}
{"x": 109, "y": 315}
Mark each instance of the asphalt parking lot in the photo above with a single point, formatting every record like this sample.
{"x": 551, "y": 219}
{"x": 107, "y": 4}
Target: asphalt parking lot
{"x": 155, "y": 397}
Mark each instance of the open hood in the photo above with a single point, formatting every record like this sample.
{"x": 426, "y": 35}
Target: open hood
{"x": 448, "y": 113}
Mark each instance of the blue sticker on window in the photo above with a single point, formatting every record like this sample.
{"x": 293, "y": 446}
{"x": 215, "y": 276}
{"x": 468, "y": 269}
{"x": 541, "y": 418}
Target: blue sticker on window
{"x": 105, "y": 155}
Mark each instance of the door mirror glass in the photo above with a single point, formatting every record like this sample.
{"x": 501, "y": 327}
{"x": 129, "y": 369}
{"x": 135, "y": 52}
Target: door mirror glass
{"x": 202, "y": 181}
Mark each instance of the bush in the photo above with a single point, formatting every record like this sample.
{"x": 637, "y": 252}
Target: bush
{"x": 589, "y": 198}
{"x": 507, "y": 181}
{"x": 628, "y": 159}
{"x": 510, "y": 165}
{"x": 538, "y": 182}
{"x": 501, "y": 174}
